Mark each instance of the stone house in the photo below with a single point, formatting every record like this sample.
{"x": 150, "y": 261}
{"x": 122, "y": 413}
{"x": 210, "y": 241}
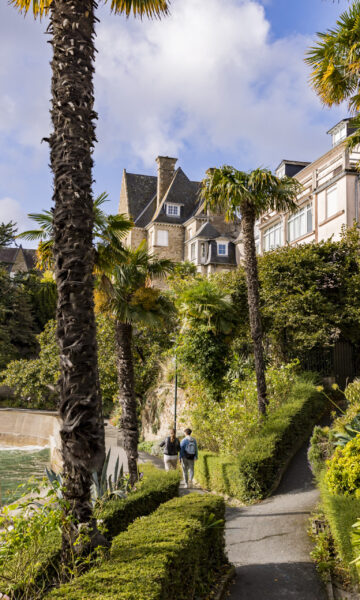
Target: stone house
{"x": 169, "y": 215}
{"x": 16, "y": 260}
{"x": 328, "y": 201}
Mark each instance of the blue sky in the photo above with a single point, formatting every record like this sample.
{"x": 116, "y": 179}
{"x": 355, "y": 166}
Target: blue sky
{"x": 216, "y": 83}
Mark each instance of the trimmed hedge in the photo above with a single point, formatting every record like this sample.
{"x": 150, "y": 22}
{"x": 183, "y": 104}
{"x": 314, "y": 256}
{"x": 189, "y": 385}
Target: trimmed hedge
{"x": 341, "y": 512}
{"x": 156, "y": 487}
{"x": 174, "y": 554}
{"x": 253, "y": 475}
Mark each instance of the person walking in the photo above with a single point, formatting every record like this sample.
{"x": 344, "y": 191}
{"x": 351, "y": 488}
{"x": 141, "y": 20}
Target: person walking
{"x": 188, "y": 454}
{"x": 171, "y": 447}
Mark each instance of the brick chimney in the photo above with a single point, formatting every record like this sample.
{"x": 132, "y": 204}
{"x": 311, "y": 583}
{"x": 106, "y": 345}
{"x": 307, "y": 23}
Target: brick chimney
{"x": 166, "y": 170}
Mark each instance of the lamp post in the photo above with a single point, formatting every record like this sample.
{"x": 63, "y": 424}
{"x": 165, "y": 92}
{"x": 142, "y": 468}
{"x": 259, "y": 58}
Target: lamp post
{"x": 175, "y": 392}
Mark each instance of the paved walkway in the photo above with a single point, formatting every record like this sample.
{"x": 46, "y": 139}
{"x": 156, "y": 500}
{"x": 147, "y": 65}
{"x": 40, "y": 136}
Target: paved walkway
{"x": 268, "y": 543}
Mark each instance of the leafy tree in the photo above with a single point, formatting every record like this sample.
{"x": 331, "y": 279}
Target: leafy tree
{"x": 35, "y": 381}
{"x": 250, "y": 194}
{"x": 7, "y": 233}
{"x": 130, "y": 300}
{"x": 41, "y": 292}
{"x": 208, "y": 322}
{"x": 17, "y": 331}
{"x": 72, "y": 30}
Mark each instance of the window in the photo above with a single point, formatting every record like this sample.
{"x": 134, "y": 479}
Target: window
{"x": 162, "y": 237}
{"x": 331, "y": 201}
{"x": 300, "y": 223}
{"x": 222, "y": 249}
{"x": 173, "y": 210}
{"x": 273, "y": 237}
{"x": 339, "y": 135}
{"x": 193, "y": 251}
{"x": 203, "y": 250}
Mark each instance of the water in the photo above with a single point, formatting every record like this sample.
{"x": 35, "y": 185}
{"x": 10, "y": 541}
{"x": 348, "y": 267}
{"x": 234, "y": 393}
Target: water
{"x": 17, "y": 465}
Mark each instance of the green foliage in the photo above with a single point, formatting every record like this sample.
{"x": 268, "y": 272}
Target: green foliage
{"x": 17, "y": 329}
{"x": 252, "y": 474}
{"x": 343, "y": 473}
{"x": 321, "y": 448}
{"x": 341, "y": 512}
{"x": 311, "y": 295}
{"x": 30, "y": 556}
{"x": 42, "y": 297}
{"x": 172, "y": 555}
{"x": 7, "y": 233}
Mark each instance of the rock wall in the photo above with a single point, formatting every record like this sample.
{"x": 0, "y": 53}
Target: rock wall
{"x": 158, "y": 413}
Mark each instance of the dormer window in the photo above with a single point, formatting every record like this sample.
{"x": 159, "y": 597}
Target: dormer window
{"x": 222, "y": 249}
{"x": 173, "y": 210}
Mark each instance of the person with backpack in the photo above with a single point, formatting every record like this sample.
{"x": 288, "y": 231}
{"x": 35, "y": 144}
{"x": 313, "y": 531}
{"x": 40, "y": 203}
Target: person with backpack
{"x": 171, "y": 447}
{"x": 188, "y": 454}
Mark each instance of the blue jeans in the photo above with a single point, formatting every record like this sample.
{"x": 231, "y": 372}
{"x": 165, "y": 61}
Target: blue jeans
{"x": 188, "y": 469}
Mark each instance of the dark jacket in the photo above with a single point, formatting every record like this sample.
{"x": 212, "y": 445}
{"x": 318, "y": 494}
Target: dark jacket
{"x": 170, "y": 448}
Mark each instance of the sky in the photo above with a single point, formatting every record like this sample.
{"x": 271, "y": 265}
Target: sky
{"x": 217, "y": 82}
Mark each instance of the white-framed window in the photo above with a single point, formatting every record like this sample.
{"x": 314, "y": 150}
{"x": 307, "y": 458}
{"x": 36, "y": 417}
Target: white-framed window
{"x": 273, "y": 237}
{"x": 300, "y": 223}
{"x": 339, "y": 135}
{"x": 331, "y": 201}
{"x": 222, "y": 248}
{"x": 162, "y": 237}
{"x": 173, "y": 210}
{"x": 203, "y": 250}
{"x": 193, "y": 251}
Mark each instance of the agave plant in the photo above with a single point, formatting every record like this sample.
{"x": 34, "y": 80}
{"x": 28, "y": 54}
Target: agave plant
{"x": 107, "y": 486}
{"x": 351, "y": 431}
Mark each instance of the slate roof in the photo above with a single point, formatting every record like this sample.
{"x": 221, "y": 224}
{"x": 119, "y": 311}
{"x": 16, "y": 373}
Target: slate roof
{"x": 181, "y": 191}
{"x": 8, "y": 257}
{"x": 141, "y": 189}
{"x": 146, "y": 214}
{"x": 208, "y": 232}
{"x": 214, "y": 259}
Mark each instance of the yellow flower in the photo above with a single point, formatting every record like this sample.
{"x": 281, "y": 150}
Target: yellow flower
{"x": 320, "y": 388}
{"x": 335, "y": 386}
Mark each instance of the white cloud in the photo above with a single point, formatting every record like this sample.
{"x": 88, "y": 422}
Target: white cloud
{"x": 11, "y": 210}
{"x": 212, "y": 79}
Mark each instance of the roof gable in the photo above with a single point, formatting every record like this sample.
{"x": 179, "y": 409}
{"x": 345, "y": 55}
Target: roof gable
{"x": 140, "y": 191}
{"x": 181, "y": 191}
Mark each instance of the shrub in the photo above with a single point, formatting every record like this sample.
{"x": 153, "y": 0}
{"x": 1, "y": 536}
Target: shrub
{"x": 171, "y": 555}
{"x": 341, "y": 512}
{"x": 38, "y": 562}
{"x": 343, "y": 474}
{"x": 255, "y": 471}
{"x": 321, "y": 448}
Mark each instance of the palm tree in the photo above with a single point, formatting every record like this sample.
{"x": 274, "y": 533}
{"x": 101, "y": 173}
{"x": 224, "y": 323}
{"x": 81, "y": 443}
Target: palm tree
{"x": 248, "y": 195}
{"x": 129, "y": 299}
{"x": 335, "y": 63}
{"x": 72, "y": 30}
{"x": 108, "y": 233}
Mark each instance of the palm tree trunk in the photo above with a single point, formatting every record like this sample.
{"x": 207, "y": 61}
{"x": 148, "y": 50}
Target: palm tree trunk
{"x": 252, "y": 282}
{"x": 71, "y": 145}
{"x": 129, "y": 421}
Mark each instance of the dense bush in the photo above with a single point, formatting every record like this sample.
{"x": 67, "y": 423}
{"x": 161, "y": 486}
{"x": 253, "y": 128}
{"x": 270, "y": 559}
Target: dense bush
{"x": 37, "y": 563}
{"x": 343, "y": 472}
{"x": 341, "y": 512}
{"x": 321, "y": 448}
{"x": 255, "y": 471}
{"x": 172, "y": 555}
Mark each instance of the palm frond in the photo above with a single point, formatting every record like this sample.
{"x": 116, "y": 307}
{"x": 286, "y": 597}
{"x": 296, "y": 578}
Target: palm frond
{"x": 39, "y": 7}
{"x": 141, "y": 8}
{"x": 32, "y": 234}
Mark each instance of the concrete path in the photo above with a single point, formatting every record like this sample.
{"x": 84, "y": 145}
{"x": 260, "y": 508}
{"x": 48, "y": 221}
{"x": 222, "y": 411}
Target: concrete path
{"x": 268, "y": 543}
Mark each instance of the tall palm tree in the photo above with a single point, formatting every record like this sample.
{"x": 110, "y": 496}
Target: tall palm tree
{"x": 108, "y": 233}
{"x": 72, "y": 30}
{"x": 129, "y": 299}
{"x": 248, "y": 195}
{"x": 335, "y": 63}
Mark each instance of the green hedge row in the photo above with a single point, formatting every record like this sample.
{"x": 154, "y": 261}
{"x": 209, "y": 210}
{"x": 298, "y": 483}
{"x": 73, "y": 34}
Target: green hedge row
{"x": 156, "y": 487}
{"x": 254, "y": 474}
{"x": 341, "y": 512}
{"x": 173, "y": 554}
